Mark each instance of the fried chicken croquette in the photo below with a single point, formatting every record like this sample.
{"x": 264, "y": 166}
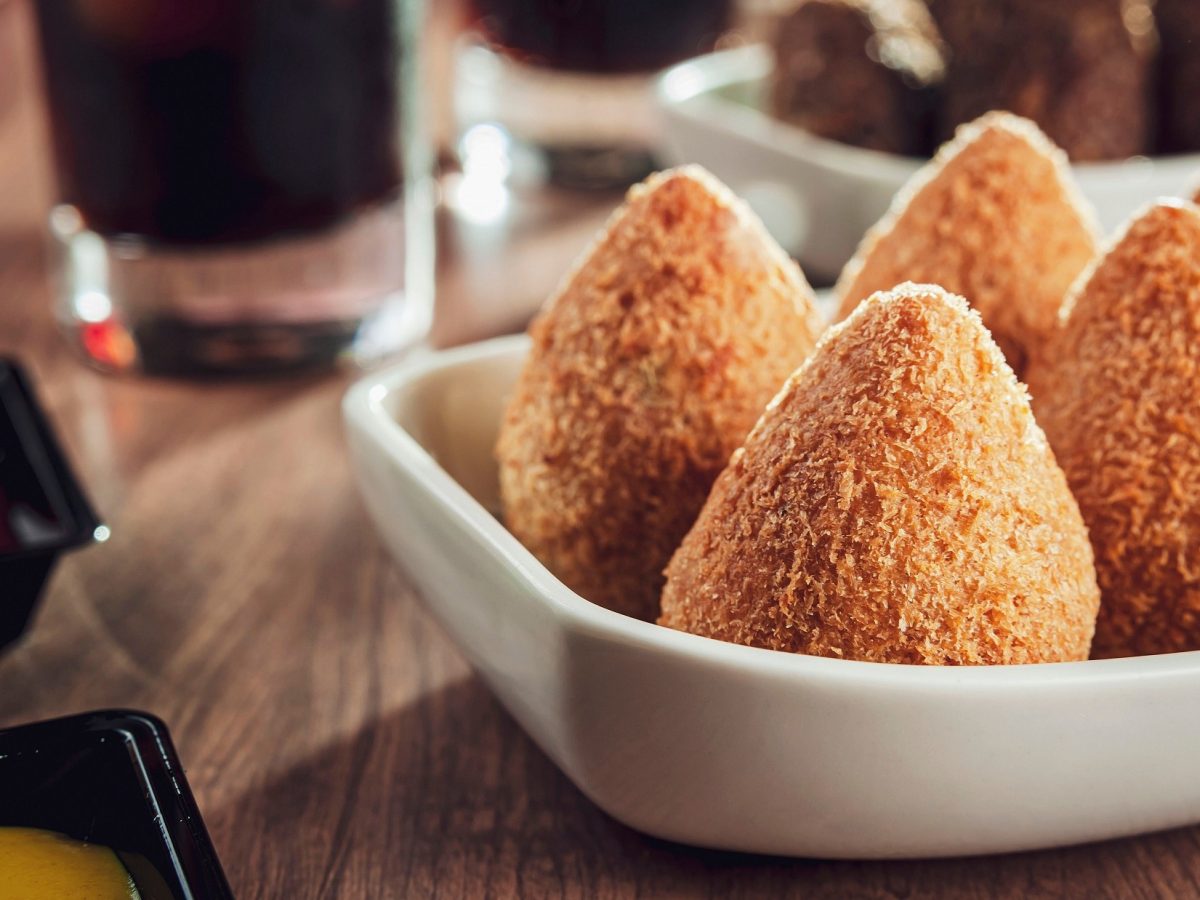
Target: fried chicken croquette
{"x": 647, "y": 369}
{"x": 1120, "y": 402}
{"x": 896, "y": 503}
{"x": 863, "y": 72}
{"x": 995, "y": 217}
{"x": 1083, "y": 70}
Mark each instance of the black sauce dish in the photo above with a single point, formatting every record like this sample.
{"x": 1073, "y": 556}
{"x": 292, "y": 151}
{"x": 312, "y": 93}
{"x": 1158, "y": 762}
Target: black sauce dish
{"x": 43, "y": 510}
{"x": 113, "y": 778}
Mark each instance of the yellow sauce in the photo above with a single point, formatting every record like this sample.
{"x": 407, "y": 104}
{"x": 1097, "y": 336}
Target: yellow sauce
{"x": 42, "y": 865}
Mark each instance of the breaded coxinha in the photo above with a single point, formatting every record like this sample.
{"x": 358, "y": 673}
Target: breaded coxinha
{"x": 1120, "y": 402}
{"x": 650, "y": 365}
{"x": 995, "y": 217}
{"x": 896, "y": 503}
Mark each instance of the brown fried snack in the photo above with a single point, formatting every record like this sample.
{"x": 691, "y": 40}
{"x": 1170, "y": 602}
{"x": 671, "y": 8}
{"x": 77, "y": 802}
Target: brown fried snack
{"x": 648, "y": 368}
{"x": 995, "y": 217}
{"x": 1081, "y": 69}
{"x": 863, "y": 72}
{"x": 898, "y": 503}
{"x": 1120, "y": 402}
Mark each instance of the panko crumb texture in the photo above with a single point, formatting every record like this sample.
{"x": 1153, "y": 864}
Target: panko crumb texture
{"x": 648, "y": 368}
{"x": 896, "y": 503}
{"x": 1120, "y": 402}
{"x": 995, "y": 217}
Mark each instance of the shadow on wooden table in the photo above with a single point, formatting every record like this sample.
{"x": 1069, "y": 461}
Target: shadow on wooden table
{"x": 448, "y": 797}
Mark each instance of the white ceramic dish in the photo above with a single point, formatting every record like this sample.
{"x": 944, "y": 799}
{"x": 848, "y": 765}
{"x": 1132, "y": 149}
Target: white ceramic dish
{"x": 818, "y": 197}
{"x": 725, "y": 746}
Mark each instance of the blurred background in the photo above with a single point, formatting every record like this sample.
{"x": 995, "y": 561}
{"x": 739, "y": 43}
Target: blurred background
{"x": 248, "y": 187}
{"x": 187, "y": 160}
{"x": 254, "y": 187}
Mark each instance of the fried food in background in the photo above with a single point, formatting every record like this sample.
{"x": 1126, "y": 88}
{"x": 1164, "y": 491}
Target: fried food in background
{"x": 1081, "y": 69}
{"x": 896, "y": 503}
{"x": 1120, "y": 402}
{"x": 995, "y": 217}
{"x": 863, "y": 72}
{"x": 1179, "y": 78}
{"x": 1085, "y": 70}
{"x": 647, "y": 370}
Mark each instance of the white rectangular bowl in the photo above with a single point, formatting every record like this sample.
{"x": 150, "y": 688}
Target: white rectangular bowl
{"x": 733, "y": 747}
{"x": 818, "y": 197}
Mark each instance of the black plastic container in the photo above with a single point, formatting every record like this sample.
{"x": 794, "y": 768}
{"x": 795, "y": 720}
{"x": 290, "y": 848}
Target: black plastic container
{"x": 43, "y": 510}
{"x": 112, "y": 777}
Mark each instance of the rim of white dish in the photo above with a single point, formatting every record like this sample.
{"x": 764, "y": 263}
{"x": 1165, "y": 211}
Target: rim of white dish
{"x": 691, "y": 89}
{"x": 366, "y": 408}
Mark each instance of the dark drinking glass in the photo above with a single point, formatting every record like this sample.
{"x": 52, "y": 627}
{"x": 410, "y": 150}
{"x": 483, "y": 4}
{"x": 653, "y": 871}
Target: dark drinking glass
{"x": 233, "y": 178}
{"x": 570, "y": 80}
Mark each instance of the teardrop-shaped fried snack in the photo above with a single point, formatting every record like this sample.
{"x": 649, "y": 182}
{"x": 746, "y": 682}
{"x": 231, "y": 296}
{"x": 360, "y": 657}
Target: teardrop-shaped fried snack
{"x": 648, "y": 368}
{"x": 1120, "y": 402}
{"x": 1082, "y": 69}
{"x": 897, "y": 503}
{"x": 995, "y": 217}
{"x": 863, "y": 72}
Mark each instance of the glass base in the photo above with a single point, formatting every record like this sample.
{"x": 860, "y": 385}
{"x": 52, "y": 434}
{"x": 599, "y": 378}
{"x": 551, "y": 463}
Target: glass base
{"x": 301, "y": 302}
{"x": 596, "y": 168}
{"x": 568, "y": 128}
{"x": 178, "y": 347}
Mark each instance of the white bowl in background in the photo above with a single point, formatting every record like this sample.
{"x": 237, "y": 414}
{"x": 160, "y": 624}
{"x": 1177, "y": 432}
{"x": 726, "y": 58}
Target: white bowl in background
{"x": 719, "y": 745}
{"x": 818, "y": 197}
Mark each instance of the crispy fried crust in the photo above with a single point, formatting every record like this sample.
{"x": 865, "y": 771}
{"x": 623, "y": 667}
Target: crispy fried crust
{"x": 895, "y": 503}
{"x": 1120, "y": 403}
{"x": 863, "y": 72}
{"x": 1081, "y": 69}
{"x": 647, "y": 370}
{"x": 995, "y": 217}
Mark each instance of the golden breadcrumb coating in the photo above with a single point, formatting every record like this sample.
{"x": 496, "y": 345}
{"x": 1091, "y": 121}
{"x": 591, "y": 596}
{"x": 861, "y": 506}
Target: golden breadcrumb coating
{"x": 897, "y": 503}
{"x": 648, "y": 368}
{"x": 1120, "y": 402}
{"x": 995, "y": 217}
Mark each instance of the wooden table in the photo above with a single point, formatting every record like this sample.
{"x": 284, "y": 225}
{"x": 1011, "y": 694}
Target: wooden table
{"x": 336, "y": 741}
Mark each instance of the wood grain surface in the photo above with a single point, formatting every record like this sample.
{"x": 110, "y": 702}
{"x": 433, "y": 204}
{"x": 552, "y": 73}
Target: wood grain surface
{"x": 337, "y": 743}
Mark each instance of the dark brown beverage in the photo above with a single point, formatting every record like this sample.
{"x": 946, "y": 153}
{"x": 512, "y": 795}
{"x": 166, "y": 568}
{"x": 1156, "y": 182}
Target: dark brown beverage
{"x": 200, "y": 122}
{"x": 602, "y": 36}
